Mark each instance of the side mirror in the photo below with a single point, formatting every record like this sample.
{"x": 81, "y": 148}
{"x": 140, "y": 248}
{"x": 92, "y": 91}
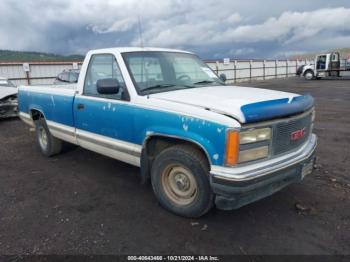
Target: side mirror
{"x": 107, "y": 86}
{"x": 223, "y": 78}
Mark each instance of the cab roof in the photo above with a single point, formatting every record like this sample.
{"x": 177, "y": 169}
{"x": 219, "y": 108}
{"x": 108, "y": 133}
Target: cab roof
{"x": 136, "y": 49}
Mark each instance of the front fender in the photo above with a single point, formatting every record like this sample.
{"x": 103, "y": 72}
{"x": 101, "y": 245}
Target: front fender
{"x": 209, "y": 136}
{"x": 307, "y": 67}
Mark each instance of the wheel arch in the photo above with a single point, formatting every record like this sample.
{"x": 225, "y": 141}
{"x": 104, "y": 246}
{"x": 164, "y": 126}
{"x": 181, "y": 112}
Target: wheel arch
{"x": 155, "y": 143}
{"x": 36, "y": 114}
{"x": 307, "y": 71}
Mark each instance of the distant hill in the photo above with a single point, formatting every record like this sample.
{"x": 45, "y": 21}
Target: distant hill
{"x": 344, "y": 53}
{"x": 19, "y": 56}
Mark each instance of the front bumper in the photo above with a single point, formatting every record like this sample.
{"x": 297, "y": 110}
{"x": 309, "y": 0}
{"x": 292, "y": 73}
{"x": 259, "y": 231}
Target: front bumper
{"x": 239, "y": 186}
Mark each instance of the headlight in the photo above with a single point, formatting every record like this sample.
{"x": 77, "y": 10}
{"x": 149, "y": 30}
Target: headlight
{"x": 240, "y": 145}
{"x": 253, "y": 154}
{"x": 254, "y": 135}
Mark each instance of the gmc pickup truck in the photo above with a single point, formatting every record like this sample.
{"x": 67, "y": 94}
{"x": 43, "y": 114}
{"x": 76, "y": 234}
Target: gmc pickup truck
{"x": 200, "y": 142}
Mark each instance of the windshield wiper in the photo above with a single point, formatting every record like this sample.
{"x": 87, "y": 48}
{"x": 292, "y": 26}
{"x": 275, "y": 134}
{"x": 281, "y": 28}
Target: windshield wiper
{"x": 157, "y": 87}
{"x": 204, "y": 82}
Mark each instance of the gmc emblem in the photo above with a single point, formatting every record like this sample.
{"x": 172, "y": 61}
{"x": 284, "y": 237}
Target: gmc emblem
{"x": 297, "y": 134}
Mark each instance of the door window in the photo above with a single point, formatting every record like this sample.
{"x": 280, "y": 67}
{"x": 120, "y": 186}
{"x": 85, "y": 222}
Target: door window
{"x": 103, "y": 66}
{"x": 73, "y": 77}
{"x": 321, "y": 62}
{"x": 335, "y": 57}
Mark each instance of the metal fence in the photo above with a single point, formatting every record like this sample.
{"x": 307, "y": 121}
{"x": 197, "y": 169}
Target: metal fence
{"x": 37, "y": 73}
{"x": 248, "y": 70}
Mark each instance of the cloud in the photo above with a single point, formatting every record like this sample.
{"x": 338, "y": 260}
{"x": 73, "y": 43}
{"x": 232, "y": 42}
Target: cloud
{"x": 241, "y": 51}
{"x": 288, "y": 28}
{"x": 213, "y": 28}
{"x": 117, "y": 26}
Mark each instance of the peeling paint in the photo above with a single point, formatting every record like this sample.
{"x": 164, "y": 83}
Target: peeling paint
{"x": 216, "y": 157}
{"x": 185, "y": 127}
{"x": 219, "y": 130}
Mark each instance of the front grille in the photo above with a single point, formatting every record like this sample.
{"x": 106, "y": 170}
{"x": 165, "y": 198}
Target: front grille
{"x": 282, "y": 133}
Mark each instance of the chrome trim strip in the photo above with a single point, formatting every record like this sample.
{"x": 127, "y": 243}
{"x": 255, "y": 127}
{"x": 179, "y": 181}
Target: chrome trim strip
{"x": 264, "y": 168}
{"x": 61, "y": 128}
{"x": 64, "y": 132}
{"x": 114, "y": 144}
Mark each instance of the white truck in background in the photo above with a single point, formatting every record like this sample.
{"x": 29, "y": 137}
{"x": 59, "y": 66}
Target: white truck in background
{"x": 326, "y": 65}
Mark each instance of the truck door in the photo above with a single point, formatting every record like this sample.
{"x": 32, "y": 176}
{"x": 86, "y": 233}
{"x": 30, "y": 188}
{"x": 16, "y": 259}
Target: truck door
{"x": 321, "y": 62}
{"x": 104, "y": 122}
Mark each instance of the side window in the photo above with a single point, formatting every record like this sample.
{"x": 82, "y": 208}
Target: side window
{"x": 321, "y": 62}
{"x": 65, "y": 77}
{"x": 335, "y": 57}
{"x": 60, "y": 77}
{"x": 102, "y": 67}
{"x": 73, "y": 77}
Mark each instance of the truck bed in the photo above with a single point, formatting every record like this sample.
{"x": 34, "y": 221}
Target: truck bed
{"x": 56, "y": 101}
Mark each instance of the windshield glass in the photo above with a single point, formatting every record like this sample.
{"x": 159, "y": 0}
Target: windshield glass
{"x": 154, "y": 72}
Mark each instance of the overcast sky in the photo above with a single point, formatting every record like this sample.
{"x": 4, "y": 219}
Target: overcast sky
{"x": 211, "y": 28}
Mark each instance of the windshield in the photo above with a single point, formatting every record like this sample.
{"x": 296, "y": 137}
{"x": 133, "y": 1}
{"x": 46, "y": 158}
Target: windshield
{"x": 154, "y": 72}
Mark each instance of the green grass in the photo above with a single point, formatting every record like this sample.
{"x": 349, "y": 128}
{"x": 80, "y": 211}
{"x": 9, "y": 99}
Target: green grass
{"x": 19, "y": 56}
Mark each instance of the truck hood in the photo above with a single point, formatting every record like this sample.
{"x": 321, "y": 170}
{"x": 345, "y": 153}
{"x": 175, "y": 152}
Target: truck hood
{"x": 7, "y": 91}
{"x": 246, "y": 104}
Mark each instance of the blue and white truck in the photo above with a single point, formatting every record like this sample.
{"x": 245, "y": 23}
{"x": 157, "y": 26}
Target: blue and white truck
{"x": 200, "y": 142}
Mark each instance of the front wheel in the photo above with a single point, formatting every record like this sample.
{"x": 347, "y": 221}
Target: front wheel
{"x": 309, "y": 75}
{"x": 180, "y": 181}
{"x": 48, "y": 144}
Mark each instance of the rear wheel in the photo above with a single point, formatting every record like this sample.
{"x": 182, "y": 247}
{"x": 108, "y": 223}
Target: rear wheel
{"x": 180, "y": 181}
{"x": 48, "y": 144}
{"x": 309, "y": 75}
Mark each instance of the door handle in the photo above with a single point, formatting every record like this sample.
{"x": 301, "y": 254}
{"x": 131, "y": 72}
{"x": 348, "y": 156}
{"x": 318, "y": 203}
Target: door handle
{"x": 80, "y": 106}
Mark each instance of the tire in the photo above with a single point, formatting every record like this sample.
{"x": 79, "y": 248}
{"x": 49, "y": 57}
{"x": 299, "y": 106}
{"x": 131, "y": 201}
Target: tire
{"x": 180, "y": 181}
{"x": 309, "y": 75}
{"x": 48, "y": 144}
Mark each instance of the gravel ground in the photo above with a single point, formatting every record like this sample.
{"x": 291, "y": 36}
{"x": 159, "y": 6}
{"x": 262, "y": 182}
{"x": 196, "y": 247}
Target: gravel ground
{"x": 80, "y": 202}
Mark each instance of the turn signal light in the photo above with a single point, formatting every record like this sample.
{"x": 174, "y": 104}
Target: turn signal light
{"x": 232, "y": 147}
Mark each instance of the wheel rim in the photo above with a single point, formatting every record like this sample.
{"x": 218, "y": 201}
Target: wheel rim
{"x": 179, "y": 185}
{"x": 308, "y": 76}
{"x": 42, "y": 137}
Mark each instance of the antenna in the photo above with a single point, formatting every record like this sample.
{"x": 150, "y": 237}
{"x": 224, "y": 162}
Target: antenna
{"x": 140, "y": 31}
